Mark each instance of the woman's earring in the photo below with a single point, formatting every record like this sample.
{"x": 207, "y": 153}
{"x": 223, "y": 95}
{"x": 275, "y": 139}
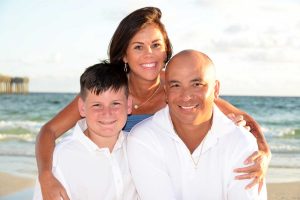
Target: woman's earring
{"x": 125, "y": 67}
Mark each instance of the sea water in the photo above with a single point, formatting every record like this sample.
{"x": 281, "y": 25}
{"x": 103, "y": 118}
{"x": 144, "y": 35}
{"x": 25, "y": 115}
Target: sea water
{"x": 21, "y": 117}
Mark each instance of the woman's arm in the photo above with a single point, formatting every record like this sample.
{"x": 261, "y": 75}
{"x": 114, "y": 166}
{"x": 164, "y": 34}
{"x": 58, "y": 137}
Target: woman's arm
{"x": 262, "y": 158}
{"x": 45, "y": 143}
{"x": 255, "y": 129}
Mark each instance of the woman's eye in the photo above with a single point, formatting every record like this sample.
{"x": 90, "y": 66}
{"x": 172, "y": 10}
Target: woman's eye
{"x": 156, "y": 45}
{"x": 138, "y": 47}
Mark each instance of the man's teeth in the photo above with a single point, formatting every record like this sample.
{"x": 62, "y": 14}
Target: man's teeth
{"x": 188, "y": 107}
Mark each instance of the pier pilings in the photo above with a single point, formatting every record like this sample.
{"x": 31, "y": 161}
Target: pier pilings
{"x": 19, "y": 85}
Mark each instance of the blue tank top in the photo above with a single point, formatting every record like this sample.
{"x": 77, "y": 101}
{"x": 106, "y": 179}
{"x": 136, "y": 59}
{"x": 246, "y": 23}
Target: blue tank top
{"x": 133, "y": 120}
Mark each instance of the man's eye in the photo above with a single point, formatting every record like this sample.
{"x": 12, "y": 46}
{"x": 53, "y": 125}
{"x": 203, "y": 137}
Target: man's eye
{"x": 174, "y": 85}
{"x": 198, "y": 84}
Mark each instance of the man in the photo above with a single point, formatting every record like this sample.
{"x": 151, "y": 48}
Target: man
{"x": 189, "y": 149}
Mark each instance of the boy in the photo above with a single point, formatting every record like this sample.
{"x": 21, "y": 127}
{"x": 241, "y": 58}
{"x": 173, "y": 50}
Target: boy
{"x": 91, "y": 163}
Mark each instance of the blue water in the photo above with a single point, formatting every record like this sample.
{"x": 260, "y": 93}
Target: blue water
{"x": 21, "y": 117}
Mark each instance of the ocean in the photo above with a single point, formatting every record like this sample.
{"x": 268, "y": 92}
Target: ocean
{"x": 21, "y": 117}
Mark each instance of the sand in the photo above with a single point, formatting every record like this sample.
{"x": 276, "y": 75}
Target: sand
{"x": 10, "y": 184}
{"x": 284, "y": 191}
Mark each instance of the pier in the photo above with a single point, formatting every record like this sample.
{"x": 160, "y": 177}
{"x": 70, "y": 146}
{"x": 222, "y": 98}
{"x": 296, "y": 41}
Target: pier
{"x": 11, "y": 85}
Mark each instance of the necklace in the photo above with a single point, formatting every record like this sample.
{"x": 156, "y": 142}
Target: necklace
{"x": 136, "y": 106}
{"x": 196, "y": 162}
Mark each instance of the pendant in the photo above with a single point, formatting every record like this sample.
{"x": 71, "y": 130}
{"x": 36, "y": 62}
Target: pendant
{"x": 136, "y": 106}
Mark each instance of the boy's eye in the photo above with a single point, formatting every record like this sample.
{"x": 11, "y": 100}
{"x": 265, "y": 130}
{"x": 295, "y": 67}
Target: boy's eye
{"x": 116, "y": 104}
{"x": 97, "y": 105}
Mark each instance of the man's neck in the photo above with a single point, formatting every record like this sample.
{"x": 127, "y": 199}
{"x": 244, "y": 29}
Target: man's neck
{"x": 192, "y": 135}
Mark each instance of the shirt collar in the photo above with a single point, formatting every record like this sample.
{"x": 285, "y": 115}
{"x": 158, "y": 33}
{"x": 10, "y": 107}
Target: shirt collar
{"x": 220, "y": 126}
{"x": 78, "y": 133}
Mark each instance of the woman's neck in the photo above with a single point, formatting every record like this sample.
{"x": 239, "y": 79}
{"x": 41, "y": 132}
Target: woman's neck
{"x": 147, "y": 96}
{"x": 141, "y": 88}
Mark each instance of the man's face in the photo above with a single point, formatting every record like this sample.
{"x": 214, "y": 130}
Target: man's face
{"x": 106, "y": 113}
{"x": 190, "y": 90}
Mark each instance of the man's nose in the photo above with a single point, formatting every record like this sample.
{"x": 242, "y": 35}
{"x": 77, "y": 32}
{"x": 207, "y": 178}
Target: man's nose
{"x": 186, "y": 95}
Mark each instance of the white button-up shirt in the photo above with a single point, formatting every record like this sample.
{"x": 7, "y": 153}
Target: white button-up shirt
{"x": 91, "y": 173}
{"x": 162, "y": 166}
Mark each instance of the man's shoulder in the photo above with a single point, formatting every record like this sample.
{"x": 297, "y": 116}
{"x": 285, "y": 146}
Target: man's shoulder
{"x": 156, "y": 121}
{"x": 238, "y": 143}
{"x": 230, "y": 132}
{"x": 242, "y": 136}
{"x": 151, "y": 127}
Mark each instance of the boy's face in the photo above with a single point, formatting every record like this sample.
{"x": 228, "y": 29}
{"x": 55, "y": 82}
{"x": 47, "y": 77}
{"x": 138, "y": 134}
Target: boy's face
{"x": 106, "y": 113}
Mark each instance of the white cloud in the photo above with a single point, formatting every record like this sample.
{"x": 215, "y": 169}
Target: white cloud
{"x": 252, "y": 42}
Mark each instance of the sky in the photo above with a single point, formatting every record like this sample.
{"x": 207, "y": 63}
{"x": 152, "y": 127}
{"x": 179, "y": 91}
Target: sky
{"x": 255, "y": 44}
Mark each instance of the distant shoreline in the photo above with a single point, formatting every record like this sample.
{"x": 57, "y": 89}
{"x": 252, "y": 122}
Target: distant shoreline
{"x": 223, "y": 95}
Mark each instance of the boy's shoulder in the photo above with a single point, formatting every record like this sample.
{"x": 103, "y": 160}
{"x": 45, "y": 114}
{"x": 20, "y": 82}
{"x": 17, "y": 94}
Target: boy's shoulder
{"x": 68, "y": 143}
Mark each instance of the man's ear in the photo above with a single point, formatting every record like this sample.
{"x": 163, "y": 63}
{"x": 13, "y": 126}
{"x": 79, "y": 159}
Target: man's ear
{"x": 166, "y": 96}
{"x": 217, "y": 89}
{"x": 129, "y": 104}
{"x": 81, "y": 107}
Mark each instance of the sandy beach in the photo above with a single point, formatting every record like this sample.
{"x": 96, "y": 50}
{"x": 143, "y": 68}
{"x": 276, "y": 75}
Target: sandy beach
{"x": 284, "y": 191}
{"x": 12, "y": 184}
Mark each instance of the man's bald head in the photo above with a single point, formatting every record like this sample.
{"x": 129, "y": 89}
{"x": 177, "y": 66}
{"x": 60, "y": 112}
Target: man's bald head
{"x": 191, "y": 58}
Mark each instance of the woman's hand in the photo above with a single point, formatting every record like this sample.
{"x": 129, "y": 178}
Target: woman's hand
{"x": 51, "y": 188}
{"x": 257, "y": 171}
{"x": 238, "y": 120}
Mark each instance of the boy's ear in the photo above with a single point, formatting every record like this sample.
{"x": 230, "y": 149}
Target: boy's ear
{"x": 81, "y": 107}
{"x": 129, "y": 104}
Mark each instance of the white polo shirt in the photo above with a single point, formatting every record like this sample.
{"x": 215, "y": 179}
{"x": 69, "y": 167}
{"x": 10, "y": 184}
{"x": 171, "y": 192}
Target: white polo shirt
{"x": 91, "y": 173}
{"x": 162, "y": 167}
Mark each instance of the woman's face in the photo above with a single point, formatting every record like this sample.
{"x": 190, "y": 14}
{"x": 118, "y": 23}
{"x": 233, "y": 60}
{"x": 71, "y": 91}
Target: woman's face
{"x": 146, "y": 53}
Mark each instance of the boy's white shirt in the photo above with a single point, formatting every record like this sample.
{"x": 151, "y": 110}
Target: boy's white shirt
{"x": 88, "y": 172}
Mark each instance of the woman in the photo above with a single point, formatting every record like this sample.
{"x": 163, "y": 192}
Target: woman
{"x": 141, "y": 45}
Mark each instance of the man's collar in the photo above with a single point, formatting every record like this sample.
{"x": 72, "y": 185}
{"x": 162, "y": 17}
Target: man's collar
{"x": 219, "y": 128}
